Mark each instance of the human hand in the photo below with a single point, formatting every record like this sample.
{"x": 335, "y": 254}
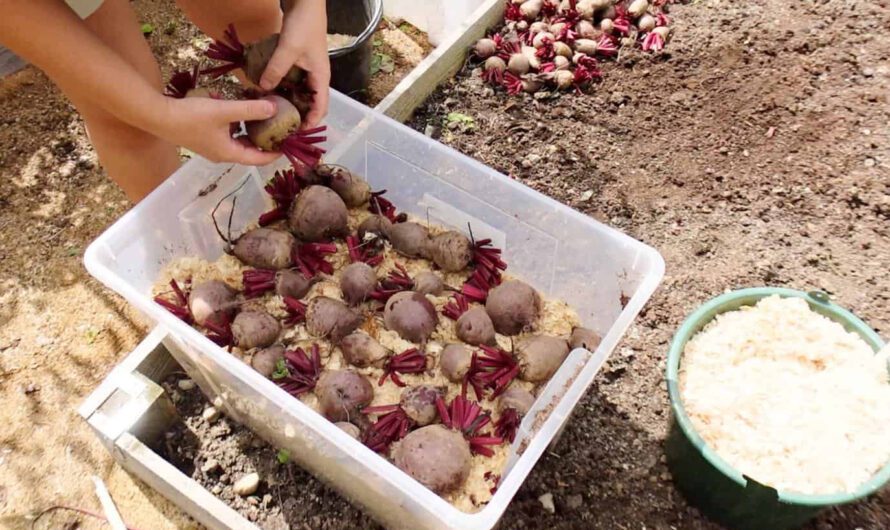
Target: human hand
{"x": 303, "y": 42}
{"x": 203, "y": 125}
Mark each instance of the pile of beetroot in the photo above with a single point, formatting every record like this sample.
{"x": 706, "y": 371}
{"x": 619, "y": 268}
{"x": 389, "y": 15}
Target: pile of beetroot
{"x": 428, "y": 436}
{"x": 547, "y": 44}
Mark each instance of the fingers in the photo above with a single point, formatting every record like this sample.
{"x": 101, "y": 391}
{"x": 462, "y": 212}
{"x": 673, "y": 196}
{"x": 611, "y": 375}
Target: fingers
{"x": 281, "y": 61}
{"x": 247, "y": 110}
{"x": 319, "y": 83}
{"x": 242, "y": 152}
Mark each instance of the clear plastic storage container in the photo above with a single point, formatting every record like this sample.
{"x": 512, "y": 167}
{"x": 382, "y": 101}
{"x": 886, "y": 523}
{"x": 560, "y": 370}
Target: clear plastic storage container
{"x": 558, "y": 250}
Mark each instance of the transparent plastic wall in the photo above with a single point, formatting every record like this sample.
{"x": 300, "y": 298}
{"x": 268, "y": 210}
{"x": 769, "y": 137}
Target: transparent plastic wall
{"x": 561, "y": 252}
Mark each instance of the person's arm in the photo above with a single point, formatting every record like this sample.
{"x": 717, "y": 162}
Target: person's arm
{"x": 303, "y": 42}
{"x": 49, "y": 35}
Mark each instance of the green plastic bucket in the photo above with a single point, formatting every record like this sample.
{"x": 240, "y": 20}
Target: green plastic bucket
{"x": 706, "y": 480}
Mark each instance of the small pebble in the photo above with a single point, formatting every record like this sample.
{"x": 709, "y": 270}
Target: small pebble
{"x": 216, "y": 490}
{"x": 546, "y": 501}
{"x": 186, "y": 384}
{"x": 586, "y": 195}
{"x": 210, "y": 414}
{"x": 869, "y": 162}
{"x": 210, "y": 466}
{"x": 253, "y": 500}
{"x": 247, "y": 484}
{"x": 574, "y": 501}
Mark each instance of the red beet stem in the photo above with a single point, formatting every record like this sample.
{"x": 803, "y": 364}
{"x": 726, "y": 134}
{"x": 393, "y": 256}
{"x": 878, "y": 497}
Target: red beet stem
{"x": 410, "y": 361}
{"x": 228, "y": 50}
{"x": 512, "y": 12}
{"x": 299, "y": 147}
{"x": 296, "y": 311}
{"x": 652, "y": 42}
{"x": 220, "y": 333}
{"x": 469, "y": 418}
{"x": 395, "y": 282}
{"x": 391, "y": 426}
{"x": 512, "y": 83}
{"x": 302, "y": 371}
{"x": 507, "y": 424}
{"x": 456, "y": 307}
{"x": 257, "y": 282}
{"x": 360, "y": 252}
{"x": 382, "y": 206}
{"x": 309, "y": 258}
{"x": 179, "y": 307}
{"x": 181, "y": 82}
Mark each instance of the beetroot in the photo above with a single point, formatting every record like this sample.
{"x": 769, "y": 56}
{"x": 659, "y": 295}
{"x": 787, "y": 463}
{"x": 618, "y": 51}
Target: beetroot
{"x": 353, "y": 189}
{"x": 419, "y": 403}
{"x": 252, "y": 58}
{"x": 473, "y": 324}
{"x": 288, "y": 282}
{"x": 349, "y": 429}
{"x": 317, "y": 214}
{"x": 282, "y": 133}
{"x": 255, "y": 329}
{"x": 342, "y": 394}
{"x": 411, "y": 315}
{"x": 584, "y": 338}
{"x": 265, "y": 248}
{"x": 212, "y": 302}
{"x": 540, "y": 357}
{"x": 513, "y": 307}
{"x": 328, "y": 317}
{"x": 451, "y": 251}
{"x": 454, "y": 362}
{"x": 361, "y": 350}
{"x": 266, "y": 361}
{"x": 377, "y": 225}
{"x": 435, "y": 456}
{"x": 410, "y": 239}
{"x": 357, "y": 282}
{"x": 516, "y": 398}
{"x": 428, "y": 282}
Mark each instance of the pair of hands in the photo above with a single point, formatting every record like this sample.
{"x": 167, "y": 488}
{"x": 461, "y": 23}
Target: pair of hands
{"x": 202, "y": 124}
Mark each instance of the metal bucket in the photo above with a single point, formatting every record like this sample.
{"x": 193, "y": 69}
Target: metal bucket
{"x": 351, "y": 65}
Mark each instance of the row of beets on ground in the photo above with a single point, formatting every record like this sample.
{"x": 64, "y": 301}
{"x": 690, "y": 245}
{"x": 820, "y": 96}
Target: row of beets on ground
{"x": 288, "y": 253}
{"x": 557, "y": 43}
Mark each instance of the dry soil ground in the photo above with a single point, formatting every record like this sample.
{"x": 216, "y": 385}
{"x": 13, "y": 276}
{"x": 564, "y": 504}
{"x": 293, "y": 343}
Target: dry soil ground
{"x": 755, "y": 151}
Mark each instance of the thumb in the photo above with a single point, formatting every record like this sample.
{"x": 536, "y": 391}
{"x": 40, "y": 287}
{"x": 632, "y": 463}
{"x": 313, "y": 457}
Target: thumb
{"x": 247, "y": 110}
{"x": 278, "y": 65}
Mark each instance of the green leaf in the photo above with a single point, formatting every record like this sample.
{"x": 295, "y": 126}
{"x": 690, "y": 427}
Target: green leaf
{"x": 405, "y": 28}
{"x": 376, "y": 42}
{"x": 280, "y": 370}
{"x": 147, "y": 29}
{"x": 72, "y": 251}
{"x": 460, "y": 121}
{"x": 381, "y": 62}
{"x": 283, "y": 456}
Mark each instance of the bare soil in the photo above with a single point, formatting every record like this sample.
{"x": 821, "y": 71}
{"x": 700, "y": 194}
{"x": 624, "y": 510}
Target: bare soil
{"x": 754, "y": 151}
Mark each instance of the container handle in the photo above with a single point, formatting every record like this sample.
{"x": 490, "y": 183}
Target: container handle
{"x": 820, "y": 296}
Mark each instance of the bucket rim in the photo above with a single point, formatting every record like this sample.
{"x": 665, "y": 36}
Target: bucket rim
{"x": 376, "y": 16}
{"x": 819, "y": 302}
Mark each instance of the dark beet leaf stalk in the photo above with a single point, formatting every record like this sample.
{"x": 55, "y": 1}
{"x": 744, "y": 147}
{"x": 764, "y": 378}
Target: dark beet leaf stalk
{"x": 257, "y": 282}
{"x": 410, "y": 361}
{"x": 283, "y": 188}
{"x": 456, "y": 307}
{"x": 469, "y": 418}
{"x": 220, "y": 332}
{"x": 392, "y": 425}
{"x": 361, "y": 252}
{"x": 395, "y": 282}
{"x": 300, "y": 146}
{"x": 296, "y": 311}
{"x": 310, "y": 258}
{"x": 180, "y": 305}
{"x": 493, "y": 369}
{"x": 512, "y": 83}
{"x": 229, "y": 51}
{"x": 181, "y": 83}
{"x": 507, "y": 424}
{"x": 299, "y": 372}
{"x": 383, "y": 206}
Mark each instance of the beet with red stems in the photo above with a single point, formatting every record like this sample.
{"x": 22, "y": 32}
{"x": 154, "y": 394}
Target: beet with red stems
{"x": 485, "y": 48}
{"x": 410, "y": 239}
{"x": 540, "y": 356}
{"x": 637, "y": 8}
{"x": 428, "y": 282}
{"x": 328, "y": 317}
{"x": 362, "y": 350}
{"x": 255, "y": 329}
{"x": 606, "y": 26}
{"x": 353, "y": 189}
{"x": 282, "y": 133}
{"x": 586, "y": 29}
{"x": 454, "y": 362}
{"x": 531, "y": 8}
{"x": 288, "y": 282}
{"x": 376, "y": 225}
{"x": 437, "y": 457}
{"x": 185, "y": 85}
{"x": 561, "y": 63}
{"x": 493, "y": 70}
{"x": 451, "y": 251}
{"x": 357, "y": 282}
{"x": 411, "y": 315}
{"x": 349, "y": 429}
{"x": 542, "y": 38}
{"x": 317, "y": 214}
{"x": 265, "y": 248}
{"x": 265, "y": 361}
{"x": 517, "y": 398}
{"x": 342, "y": 394}
{"x": 513, "y": 307}
{"x": 252, "y": 57}
{"x": 212, "y": 302}
{"x": 562, "y": 49}
{"x": 584, "y": 338}
{"x": 419, "y": 402}
{"x": 518, "y": 64}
